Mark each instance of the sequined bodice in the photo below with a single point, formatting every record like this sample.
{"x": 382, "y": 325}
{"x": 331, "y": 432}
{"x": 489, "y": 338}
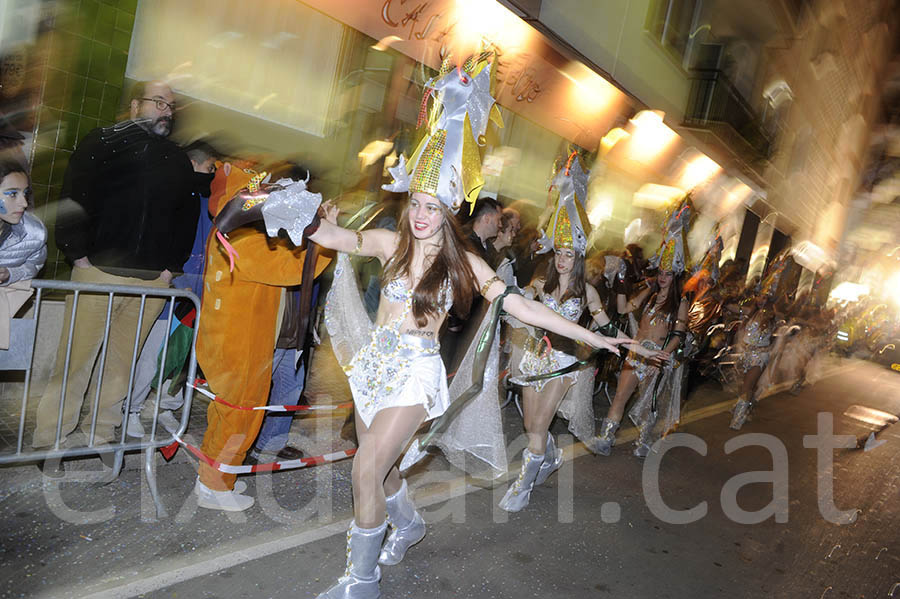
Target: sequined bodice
{"x": 398, "y": 291}
{"x": 569, "y": 309}
{"x": 758, "y": 332}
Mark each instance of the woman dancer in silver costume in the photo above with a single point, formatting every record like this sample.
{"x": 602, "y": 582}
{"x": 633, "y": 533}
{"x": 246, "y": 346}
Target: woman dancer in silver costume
{"x": 397, "y": 378}
{"x": 563, "y": 289}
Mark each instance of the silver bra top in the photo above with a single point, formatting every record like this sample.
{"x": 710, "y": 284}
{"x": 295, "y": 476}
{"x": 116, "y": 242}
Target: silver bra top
{"x": 398, "y": 291}
{"x": 570, "y": 309}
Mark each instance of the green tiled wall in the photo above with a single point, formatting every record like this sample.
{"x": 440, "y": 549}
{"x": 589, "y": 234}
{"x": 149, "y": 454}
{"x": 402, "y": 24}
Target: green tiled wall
{"x": 86, "y": 54}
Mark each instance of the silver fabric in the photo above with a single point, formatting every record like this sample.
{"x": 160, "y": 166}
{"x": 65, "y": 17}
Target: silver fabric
{"x": 553, "y": 459}
{"x": 477, "y": 430}
{"x": 604, "y": 442}
{"x": 396, "y": 370}
{"x": 361, "y": 577}
{"x": 24, "y": 249}
{"x": 577, "y": 403}
{"x": 572, "y": 190}
{"x": 291, "y": 208}
{"x": 401, "y": 177}
{"x": 519, "y": 493}
{"x": 739, "y": 414}
{"x": 407, "y": 527}
{"x": 667, "y": 384}
{"x": 346, "y": 318}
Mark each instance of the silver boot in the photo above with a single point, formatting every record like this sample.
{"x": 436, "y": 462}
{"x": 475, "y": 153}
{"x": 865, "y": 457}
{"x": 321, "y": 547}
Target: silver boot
{"x": 739, "y": 414}
{"x": 360, "y": 579}
{"x": 407, "y": 527}
{"x": 519, "y": 492}
{"x": 644, "y": 441}
{"x": 603, "y": 443}
{"x": 553, "y": 459}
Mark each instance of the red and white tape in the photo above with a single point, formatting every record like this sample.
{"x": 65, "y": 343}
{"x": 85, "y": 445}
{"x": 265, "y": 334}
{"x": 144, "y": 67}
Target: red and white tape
{"x": 327, "y": 458}
{"x": 212, "y": 396}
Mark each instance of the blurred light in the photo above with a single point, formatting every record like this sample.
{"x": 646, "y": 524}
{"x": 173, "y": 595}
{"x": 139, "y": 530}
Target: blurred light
{"x": 656, "y": 197}
{"x": 592, "y": 92}
{"x": 632, "y": 232}
{"x": 486, "y": 20}
{"x": 849, "y": 292}
{"x": 373, "y": 152}
{"x": 385, "y": 42}
{"x": 809, "y": 255}
{"x": 651, "y": 136}
{"x": 611, "y": 139}
{"x": 697, "y": 171}
{"x": 602, "y": 209}
{"x": 264, "y": 99}
{"x": 892, "y": 288}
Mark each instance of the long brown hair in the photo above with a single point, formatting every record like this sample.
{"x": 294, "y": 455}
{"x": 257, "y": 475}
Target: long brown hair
{"x": 673, "y": 297}
{"x": 450, "y": 264}
{"x": 576, "y": 279}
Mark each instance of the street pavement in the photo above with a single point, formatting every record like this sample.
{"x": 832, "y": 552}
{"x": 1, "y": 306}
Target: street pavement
{"x": 601, "y": 527}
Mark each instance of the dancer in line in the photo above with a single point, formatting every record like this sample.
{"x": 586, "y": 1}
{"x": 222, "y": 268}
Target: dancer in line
{"x": 563, "y": 290}
{"x": 661, "y": 326}
{"x": 397, "y": 376}
{"x": 755, "y": 341}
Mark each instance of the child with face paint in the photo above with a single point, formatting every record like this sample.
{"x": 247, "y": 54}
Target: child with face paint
{"x": 23, "y": 244}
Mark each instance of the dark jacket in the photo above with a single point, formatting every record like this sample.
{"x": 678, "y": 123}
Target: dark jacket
{"x": 126, "y": 203}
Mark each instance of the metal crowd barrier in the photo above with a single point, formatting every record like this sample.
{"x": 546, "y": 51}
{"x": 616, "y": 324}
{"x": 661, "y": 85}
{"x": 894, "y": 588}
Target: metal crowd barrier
{"x": 22, "y": 337}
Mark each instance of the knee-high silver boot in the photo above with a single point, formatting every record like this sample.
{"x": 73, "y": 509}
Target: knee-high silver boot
{"x": 519, "y": 492}
{"x": 645, "y": 439}
{"x": 553, "y": 458}
{"x": 407, "y": 527}
{"x": 360, "y": 579}
{"x": 603, "y": 443}
{"x": 739, "y": 413}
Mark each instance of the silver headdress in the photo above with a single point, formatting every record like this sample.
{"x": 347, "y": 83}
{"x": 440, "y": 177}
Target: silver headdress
{"x": 447, "y": 162}
{"x": 569, "y": 226}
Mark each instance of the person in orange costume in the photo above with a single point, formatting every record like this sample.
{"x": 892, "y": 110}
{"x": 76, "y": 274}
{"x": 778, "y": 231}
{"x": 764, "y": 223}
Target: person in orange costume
{"x": 238, "y": 366}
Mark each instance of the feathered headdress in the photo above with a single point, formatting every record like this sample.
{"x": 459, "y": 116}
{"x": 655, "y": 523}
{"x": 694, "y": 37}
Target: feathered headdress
{"x": 569, "y": 226}
{"x": 672, "y": 255}
{"x": 447, "y": 162}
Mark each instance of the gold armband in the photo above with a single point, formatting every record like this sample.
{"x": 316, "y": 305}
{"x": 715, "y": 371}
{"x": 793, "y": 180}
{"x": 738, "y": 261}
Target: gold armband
{"x": 596, "y": 312}
{"x": 359, "y": 242}
{"x": 488, "y": 283}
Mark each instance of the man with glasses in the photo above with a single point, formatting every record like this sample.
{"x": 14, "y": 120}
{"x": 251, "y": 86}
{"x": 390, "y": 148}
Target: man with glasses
{"x": 125, "y": 217}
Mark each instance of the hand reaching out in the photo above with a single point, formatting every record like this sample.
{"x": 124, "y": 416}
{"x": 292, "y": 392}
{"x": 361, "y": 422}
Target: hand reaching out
{"x": 330, "y": 211}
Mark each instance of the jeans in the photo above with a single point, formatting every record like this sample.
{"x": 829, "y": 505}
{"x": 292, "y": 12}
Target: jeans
{"x": 287, "y": 385}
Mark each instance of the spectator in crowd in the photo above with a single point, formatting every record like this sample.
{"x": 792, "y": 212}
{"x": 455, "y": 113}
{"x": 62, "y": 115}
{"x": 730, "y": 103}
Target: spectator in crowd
{"x": 125, "y": 218}
{"x": 23, "y": 244}
{"x": 203, "y": 161}
{"x": 484, "y": 224}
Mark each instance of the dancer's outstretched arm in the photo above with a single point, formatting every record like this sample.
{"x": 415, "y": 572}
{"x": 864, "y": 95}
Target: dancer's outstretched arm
{"x": 378, "y": 243}
{"x": 599, "y": 316}
{"x": 536, "y": 313}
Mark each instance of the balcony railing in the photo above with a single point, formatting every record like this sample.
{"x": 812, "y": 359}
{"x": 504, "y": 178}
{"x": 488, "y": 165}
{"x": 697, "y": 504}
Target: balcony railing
{"x": 715, "y": 104}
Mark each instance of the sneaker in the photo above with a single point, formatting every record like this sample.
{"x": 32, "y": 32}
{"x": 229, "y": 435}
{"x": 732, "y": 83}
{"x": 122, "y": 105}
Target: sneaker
{"x": 168, "y": 421}
{"x": 228, "y": 501}
{"x": 286, "y": 454}
{"x": 134, "y": 426}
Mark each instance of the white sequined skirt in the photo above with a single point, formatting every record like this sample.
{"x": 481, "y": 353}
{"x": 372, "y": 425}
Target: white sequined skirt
{"x": 395, "y": 370}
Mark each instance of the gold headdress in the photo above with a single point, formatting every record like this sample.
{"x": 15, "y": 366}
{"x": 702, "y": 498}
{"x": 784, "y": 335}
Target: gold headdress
{"x": 569, "y": 226}
{"x": 447, "y": 162}
{"x": 671, "y": 255}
